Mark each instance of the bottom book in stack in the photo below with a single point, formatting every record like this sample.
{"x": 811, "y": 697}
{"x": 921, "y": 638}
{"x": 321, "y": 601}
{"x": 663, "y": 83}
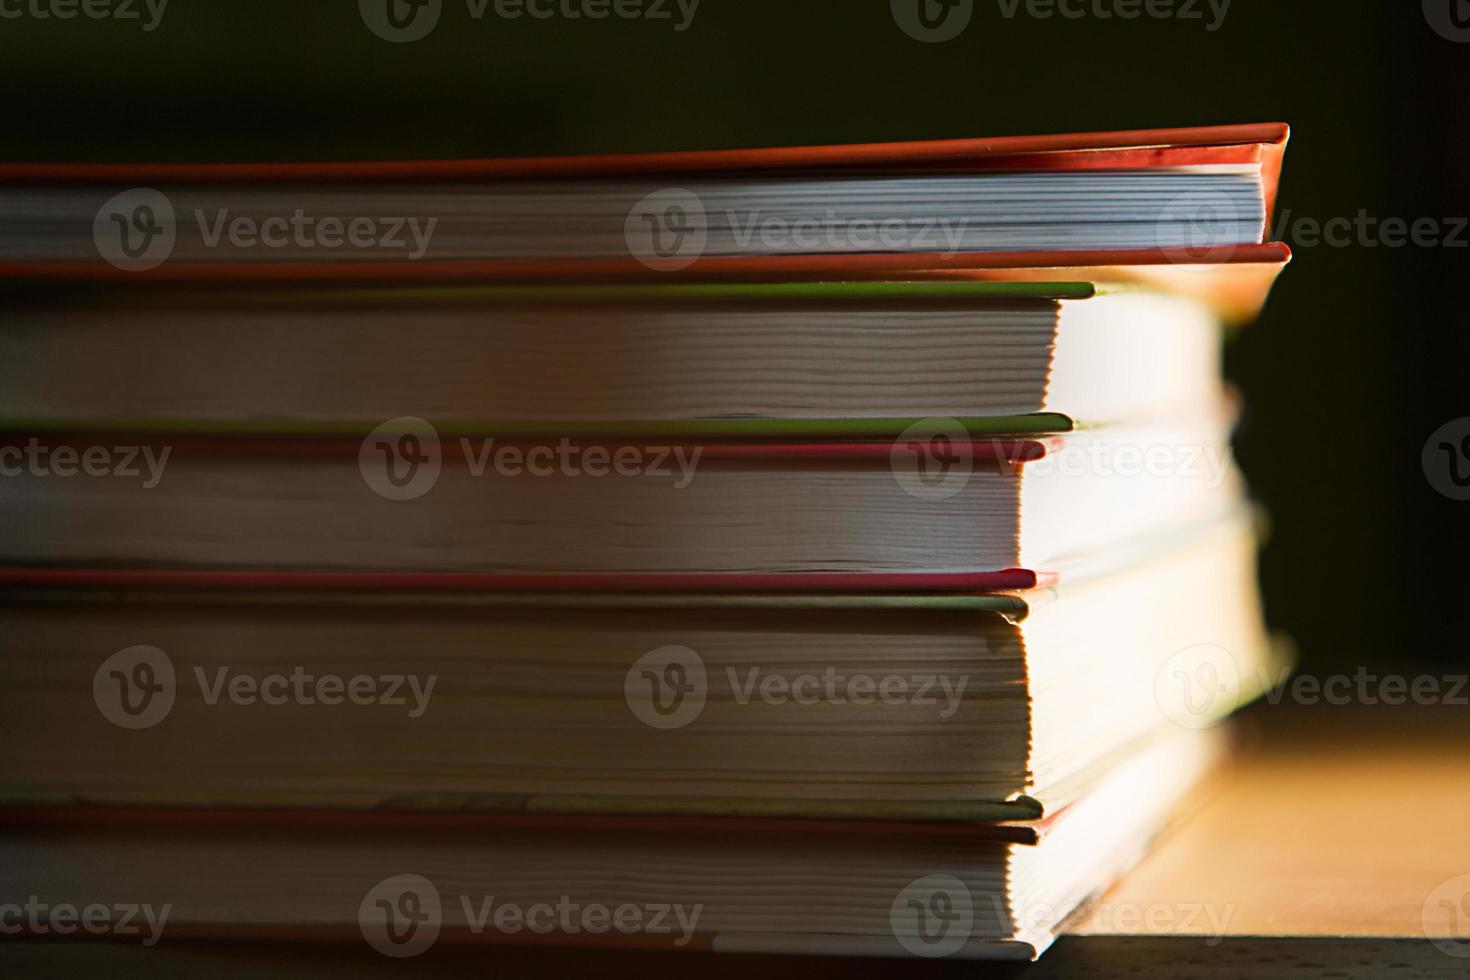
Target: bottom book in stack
{"x": 402, "y": 882}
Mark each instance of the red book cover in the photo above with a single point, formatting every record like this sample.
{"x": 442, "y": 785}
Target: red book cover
{"x": 1237, "y": 283}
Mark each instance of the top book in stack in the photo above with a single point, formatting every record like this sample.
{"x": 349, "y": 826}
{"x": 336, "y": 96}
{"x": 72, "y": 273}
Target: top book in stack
{"x": 1126, "y": 199}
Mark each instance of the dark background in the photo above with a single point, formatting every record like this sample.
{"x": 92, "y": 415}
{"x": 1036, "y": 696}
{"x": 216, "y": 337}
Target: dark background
{"x": 1360, "y": 355}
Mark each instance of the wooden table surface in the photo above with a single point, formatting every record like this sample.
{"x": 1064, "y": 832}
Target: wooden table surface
{"x": 1329, "y": 823}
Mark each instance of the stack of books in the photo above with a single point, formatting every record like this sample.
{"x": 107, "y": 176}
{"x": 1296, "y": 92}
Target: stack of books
{"x": 828, "y": 550}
